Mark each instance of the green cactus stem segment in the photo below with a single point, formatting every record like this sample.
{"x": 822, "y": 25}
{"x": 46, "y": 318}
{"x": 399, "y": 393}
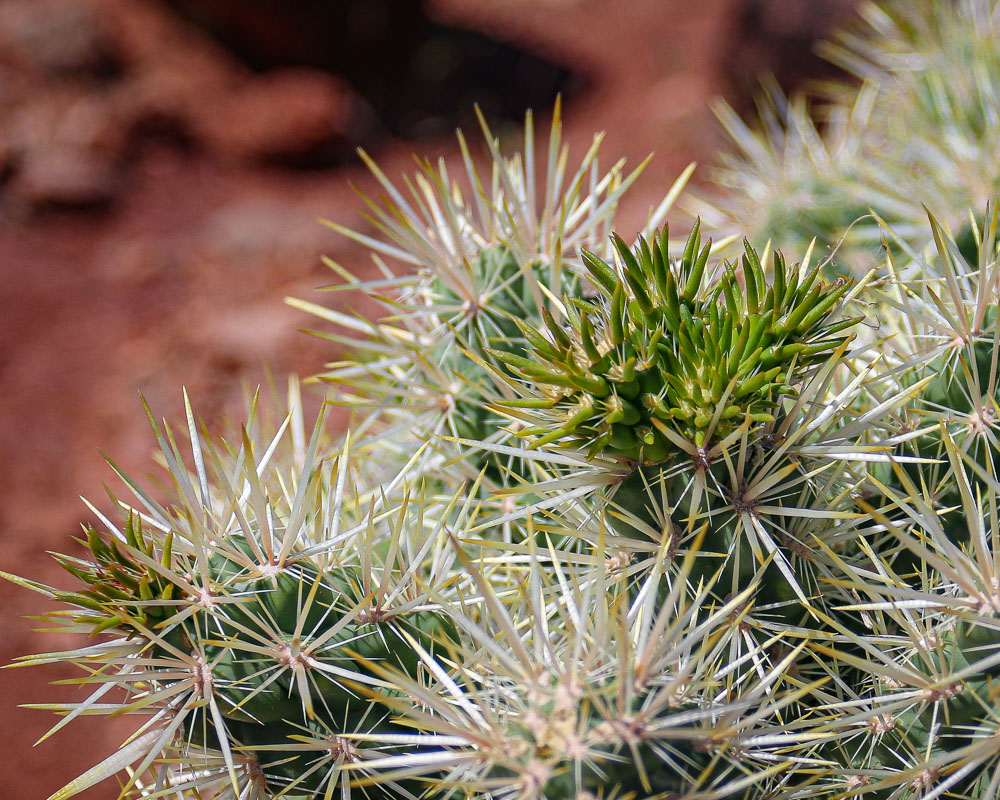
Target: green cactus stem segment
{"x": 673, "y": 342}
{"x": 284, "y": 650}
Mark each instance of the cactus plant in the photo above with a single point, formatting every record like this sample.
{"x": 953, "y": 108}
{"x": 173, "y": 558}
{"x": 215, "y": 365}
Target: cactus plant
{"x": 616, "y": 517}
{"x": 918, "y": 131}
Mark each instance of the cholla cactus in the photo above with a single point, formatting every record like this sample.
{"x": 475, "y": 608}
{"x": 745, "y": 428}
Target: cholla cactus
{"x": 920, "y": 131}
{"x": 482, "y": 262}
{"x": 790, "y": 180}
{"x": 617, "y": 518}
{"x": 244, "y": 616}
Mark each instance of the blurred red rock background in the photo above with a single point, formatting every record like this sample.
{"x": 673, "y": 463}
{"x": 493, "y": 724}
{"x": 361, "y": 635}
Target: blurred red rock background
{"x": 163, "y": 166}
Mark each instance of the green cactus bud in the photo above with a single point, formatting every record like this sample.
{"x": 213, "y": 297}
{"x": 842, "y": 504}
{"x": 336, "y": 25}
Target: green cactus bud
{"x": 710, "y": 334}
